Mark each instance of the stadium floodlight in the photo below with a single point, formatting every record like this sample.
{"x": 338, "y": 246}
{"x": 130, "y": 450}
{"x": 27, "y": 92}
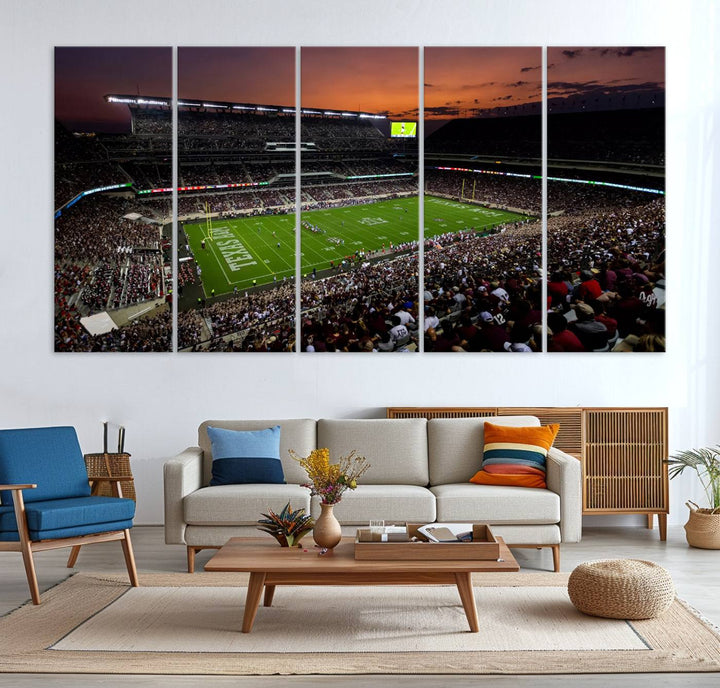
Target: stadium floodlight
{"x": 115, "y": 99}
{"x": 378, "y": 176}
{"x": 330, "y": 112}
{"x": 311, "y": 112}
{"x": 349, "y": 114}
{"x": 243, "y": 107}
{"x": 182, "y": 102}
{"x": 142, "y": 101}
{"x": 265, "y": 109}
{"x": 213, "y": 105}
{"x": 288, "y": 109}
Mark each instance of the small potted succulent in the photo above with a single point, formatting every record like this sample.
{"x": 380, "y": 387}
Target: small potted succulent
{"x": 703, "y": 528}
{"x": 288, "y": 527}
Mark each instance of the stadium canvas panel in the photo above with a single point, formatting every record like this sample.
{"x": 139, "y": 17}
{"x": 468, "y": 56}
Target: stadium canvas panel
{"x": 236, "y": 199}
{"x": 606, "y": 199}
{"x": 113, "y": 143}
{"x": 483, "y": 200}
{"x": 359, "y": 183}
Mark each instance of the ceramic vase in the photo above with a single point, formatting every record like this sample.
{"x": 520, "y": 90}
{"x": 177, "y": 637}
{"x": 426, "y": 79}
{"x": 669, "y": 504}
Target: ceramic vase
{"x": 326, "y": 532}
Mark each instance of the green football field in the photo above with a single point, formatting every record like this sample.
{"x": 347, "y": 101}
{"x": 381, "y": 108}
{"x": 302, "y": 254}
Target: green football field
{"x": 258, "y": 250}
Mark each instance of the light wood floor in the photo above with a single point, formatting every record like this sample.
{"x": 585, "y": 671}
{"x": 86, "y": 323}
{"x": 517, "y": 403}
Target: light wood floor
{"x": 696, "y": 574}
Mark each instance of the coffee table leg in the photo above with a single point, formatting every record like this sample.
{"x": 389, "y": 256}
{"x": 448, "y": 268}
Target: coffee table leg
{"x": 269, "y": 592}
{"x": 252, "y": 601}
{"x": 467, "y": 597}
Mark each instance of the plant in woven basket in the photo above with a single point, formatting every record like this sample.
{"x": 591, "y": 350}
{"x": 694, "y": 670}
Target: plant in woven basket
{"x": 288, "y": 527}
{"x": 706, "y": 463}
{"x": 703, "y": 527}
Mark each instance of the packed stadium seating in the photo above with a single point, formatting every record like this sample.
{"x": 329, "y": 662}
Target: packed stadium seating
{"x": 482, "y": 293}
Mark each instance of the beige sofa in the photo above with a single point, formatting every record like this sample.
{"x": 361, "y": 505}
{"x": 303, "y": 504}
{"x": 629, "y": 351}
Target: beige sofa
{"x": 419, "y": 472}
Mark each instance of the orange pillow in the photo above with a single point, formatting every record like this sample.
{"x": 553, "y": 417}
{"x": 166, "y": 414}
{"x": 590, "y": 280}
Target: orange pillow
{"x": 515, "y": 456}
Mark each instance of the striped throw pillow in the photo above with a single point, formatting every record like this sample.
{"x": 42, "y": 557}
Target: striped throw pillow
{"x": 515, "y": 456}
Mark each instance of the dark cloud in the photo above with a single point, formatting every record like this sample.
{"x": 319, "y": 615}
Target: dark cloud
{"x": 440, "y": 111}
{"x": 516, "y": 84}
{"x": 475, "y": 87}
{"x": 429, "y": 85}
{"x": 529, "y": 69}
{"x": 625, "y": 52}
{"x": 570, "y": 54}
{"x": 503, "y": 98}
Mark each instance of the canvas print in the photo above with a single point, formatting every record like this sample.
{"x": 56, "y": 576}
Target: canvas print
{"x": 359, "y": 224}
{"x": 236, "y": 199}
{"x": 483, "y": 200}
{"x": 606, "y": 199}
{"x": 113, "y": 237}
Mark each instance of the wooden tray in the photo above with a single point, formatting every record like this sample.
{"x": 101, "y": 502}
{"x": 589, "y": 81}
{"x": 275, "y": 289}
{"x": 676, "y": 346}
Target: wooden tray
{"x": 483, "y": 547}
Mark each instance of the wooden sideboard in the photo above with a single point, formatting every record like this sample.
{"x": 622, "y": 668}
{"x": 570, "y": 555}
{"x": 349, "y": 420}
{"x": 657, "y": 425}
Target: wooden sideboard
{"x": 622, "y": 451}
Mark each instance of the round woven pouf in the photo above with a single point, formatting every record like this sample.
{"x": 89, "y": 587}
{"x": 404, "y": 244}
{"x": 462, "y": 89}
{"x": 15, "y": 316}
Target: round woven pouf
{"x": 621, "y": 589}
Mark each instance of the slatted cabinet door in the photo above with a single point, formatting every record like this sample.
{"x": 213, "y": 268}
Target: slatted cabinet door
{"x": 624, "y": 470}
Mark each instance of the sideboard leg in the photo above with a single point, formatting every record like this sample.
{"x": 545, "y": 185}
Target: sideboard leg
{"x": 662, "y": 523}
{"x": 650, "y": 521}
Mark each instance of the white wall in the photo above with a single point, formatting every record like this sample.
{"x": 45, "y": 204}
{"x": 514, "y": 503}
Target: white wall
{"x": 162, "y": 398}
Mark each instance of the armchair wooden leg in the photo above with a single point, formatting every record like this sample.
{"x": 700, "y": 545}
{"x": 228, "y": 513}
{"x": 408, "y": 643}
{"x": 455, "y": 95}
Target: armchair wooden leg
{"x": 556, "y": 558}
{"x": 30, "y": 572}
{"x": 191, "y": 559}
{"x": 26, "y": 545}
{"x": 129, "y": 559}
{"x": 72, "y": 559}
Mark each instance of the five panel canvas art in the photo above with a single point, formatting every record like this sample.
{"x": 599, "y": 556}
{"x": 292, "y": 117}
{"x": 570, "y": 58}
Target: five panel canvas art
{"x": 519, "y": 208}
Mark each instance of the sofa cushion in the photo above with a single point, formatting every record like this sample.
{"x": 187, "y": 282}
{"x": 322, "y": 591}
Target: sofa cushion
{"x": 51, "y": 458}
{"x": 245, "y": 456}
{"x": 515, "y": 456}
{"x": 86, "y": 514}
{"x": 382, "y": 502}
{"x": 297, "y": 433}
{"x": 227, "y": 505}
{"x": 396, "y": 449}
{"x": 455, "y": 445}
{"x": 548, "y": 534}
{"x": 496, "y": 504}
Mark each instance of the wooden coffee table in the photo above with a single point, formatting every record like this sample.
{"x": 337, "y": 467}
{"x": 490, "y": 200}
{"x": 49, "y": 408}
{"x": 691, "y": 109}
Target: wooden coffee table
{"x": 270, "y": 565}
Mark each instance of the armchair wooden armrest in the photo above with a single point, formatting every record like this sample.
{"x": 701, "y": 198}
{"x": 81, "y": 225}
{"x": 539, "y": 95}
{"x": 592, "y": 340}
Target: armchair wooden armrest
{"x": 29, "y": 486}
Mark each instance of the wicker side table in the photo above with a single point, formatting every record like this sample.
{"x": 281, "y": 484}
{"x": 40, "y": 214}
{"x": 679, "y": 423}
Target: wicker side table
{"x": 621, "y": 589}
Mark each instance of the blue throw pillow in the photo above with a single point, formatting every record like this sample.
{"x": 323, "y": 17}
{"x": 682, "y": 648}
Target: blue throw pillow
{"x": 250, "y": 456}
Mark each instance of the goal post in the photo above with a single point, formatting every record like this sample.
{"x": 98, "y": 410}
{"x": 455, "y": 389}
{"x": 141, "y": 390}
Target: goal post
{"x": 208, "y": 222}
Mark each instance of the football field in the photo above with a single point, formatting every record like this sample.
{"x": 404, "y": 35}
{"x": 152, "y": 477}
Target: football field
{"x": 257, "y": 250}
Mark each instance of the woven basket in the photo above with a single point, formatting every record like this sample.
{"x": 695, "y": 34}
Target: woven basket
{"x": 110, "y": 466}
{"x": 703, "y": 527}
{"x": 621, "y": 589}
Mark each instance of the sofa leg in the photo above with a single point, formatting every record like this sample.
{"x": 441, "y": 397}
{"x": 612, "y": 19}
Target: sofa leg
{"x": 556, "y": 558}
{"x": 191, "y": 559}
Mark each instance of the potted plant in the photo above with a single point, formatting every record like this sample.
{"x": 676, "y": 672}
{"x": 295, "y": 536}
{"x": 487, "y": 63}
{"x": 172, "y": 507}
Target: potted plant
{"x": 288, "y": 527}
{"x": 703, "y": 527}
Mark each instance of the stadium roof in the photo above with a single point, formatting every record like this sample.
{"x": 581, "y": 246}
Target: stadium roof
{"x": 193, "y": 103}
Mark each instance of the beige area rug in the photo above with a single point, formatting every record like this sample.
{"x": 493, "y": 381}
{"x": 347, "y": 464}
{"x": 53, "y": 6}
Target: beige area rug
{"x": 188, "y": 624}
{"x": 348, "y": 619}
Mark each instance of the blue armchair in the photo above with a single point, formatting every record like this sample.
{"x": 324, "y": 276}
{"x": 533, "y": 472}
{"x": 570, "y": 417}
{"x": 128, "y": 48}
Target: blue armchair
{"x": 45, "y": 499}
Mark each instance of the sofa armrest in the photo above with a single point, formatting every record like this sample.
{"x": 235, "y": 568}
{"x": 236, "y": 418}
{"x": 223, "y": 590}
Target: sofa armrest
{"x": 181, "y": 475}
{"x": 564, "y": 477}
